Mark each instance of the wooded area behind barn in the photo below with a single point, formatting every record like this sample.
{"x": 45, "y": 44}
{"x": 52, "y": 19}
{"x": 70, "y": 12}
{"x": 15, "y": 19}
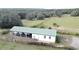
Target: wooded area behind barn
{"x": 11, "y": 17}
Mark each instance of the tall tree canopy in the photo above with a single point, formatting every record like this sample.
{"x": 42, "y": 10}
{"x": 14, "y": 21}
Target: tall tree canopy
{"x": 9, "y": 20}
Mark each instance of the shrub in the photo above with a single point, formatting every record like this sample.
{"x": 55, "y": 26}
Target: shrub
{"x": 55, "y": 24}
{"x": 77, "y": 34}
{"x": 5, "y": 32}
{"x": 42, "y": 27}
{"x": 34, "y": 26}
{"x": 50, "y": 28}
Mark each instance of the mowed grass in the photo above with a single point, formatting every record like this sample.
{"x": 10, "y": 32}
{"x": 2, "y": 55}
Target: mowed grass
{"x": 65, "y": 21}
{"x": 18, "y": 46}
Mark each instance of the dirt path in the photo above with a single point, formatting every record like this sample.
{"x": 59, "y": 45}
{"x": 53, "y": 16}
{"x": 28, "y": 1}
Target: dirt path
{"x": 75, "y": 42}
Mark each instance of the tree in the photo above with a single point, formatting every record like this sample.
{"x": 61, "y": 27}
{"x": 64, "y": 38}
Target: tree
{"x": 58, "y": 13}
{"x": 46, "y": 14}
{"x": 9, "y": 20}
{"x": 30, "y": 16}
{"x": 22, "y": 15}
{"x": 40, "y": 16}
{"x": 75, "y": 13}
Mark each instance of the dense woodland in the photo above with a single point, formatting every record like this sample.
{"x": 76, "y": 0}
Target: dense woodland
{"x": 11, "y": 17}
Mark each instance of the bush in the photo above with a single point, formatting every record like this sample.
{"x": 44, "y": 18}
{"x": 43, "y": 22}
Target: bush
{"x": 50, "y": 28}
{"x": 55, "y": 24}
{"x": 77, "y": 34}
{"x": 42, "y": 27}
{"x": 34, "y": 26}
{"x": 5, "y": 32}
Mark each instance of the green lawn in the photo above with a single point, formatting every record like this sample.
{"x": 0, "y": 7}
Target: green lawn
{"x": 67, "y": 22}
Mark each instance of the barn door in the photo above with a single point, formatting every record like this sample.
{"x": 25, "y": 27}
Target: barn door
{"x": 29, "y": 35}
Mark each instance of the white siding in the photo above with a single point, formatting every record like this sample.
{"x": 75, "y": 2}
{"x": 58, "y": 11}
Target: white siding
{"x": 41, "y": 38}
{"x": 14, "y": 32}
{"x": 35, "y": 36}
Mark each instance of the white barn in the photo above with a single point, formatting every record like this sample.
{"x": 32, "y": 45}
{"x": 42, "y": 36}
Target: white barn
{"x": 43, "y": 35}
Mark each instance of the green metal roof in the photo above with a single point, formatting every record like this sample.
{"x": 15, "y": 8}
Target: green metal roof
{"x": 49, "y": 32}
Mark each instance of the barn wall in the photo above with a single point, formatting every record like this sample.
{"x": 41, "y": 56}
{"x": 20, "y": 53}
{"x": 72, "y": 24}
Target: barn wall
{"x": 41, "y": 38}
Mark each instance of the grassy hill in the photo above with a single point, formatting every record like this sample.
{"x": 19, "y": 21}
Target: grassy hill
{"x": 66, "y": 22}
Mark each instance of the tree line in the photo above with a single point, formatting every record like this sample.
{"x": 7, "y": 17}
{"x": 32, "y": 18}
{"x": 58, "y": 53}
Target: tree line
{"x": 12, "y": 17}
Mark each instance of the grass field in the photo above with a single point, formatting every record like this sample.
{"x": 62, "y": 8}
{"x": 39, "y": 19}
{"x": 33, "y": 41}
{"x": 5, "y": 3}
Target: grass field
{"x": 18, "y": 46}
{"x": 67, "y": 22}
